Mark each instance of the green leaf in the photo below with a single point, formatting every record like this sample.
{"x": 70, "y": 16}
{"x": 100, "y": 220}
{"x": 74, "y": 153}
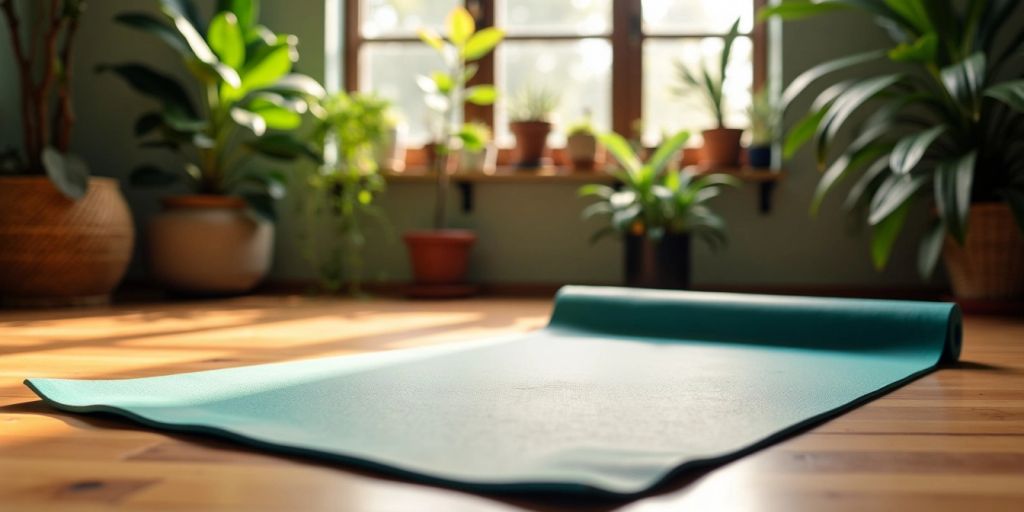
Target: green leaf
{"x": 283, "y": 147}
{"x": 620, "y": 149}
{"x": 911, "y": 149}
{"x": 67, "y": 172}
{"x": 805, "y": 79}
{"x": 858, "y": 192}
{"x": 884, "y": 236}
{"x": 442, "y": 81}
{"x": 431, "y": 38}
{"x": 853, "y": 159}
{"x": 147, "y": 23}
{"x": 482, "y": 42}
{"x": 797, "y": 9}
{"x": 183, "y": 8}
{"x": 269, "y": 68}
{"x": 965, "y": 78}
{"x": 460, "y": 25}
{"x": 225, "y": 37}
{"x": 953, "y": 180}
{"x": 596, "y": 190}
{"x": 846, "y": 104}
{"x": 893, "y": 194}
{"x": 276, "y": 115}
{"x": 802, "y": 132}
{"x": 922, "y": 50}
{"x": 247, "y": 11}
{"x": 667, "y": 150}
{"x": 151, "y": 176}
{"x": 296, "y": 85}
{"x": 1010, "y": 93}
{"x": 930, "y": 249}
{"x": 156, "y": 85}
{"x": 248, "y": 119}
{"x": 481, "y": 94}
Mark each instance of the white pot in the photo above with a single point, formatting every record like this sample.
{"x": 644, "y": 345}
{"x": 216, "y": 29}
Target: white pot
{"x": 582, "y": 149}
{"x": 480, "y": 161}
{"x": 390, "y": 153}
{"x": 207, "y": 244}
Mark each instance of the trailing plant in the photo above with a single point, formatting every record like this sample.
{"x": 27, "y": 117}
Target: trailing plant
{"x": 764, "y": 118}
{"x": 710, "y": 84}
{"x": 446, "y": 91}
{"x": 944, "y": 128}
{"x": 340, "y": 194}
{"x": 534, "y": 103}
{"x": 653, "y": 201}
{"x": 250, "y": 101}
{"x": 44, "y": 79}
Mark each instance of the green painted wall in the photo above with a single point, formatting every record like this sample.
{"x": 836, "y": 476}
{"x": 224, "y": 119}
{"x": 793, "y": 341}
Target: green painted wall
{"x": 528, "y": 233}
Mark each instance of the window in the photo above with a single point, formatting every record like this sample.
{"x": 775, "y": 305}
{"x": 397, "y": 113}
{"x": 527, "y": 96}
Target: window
{"x": 613, "y": 59}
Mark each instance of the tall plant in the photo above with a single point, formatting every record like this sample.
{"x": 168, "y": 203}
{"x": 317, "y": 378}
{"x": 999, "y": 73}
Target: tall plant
{"x": 654, "y": 201}
{"x": 250, "y": 100}
{"x": 43, "y": 60}
{"x": 446, "y": 91}
{"x": 944, "y": 128}
{"x": 342, "y": 191}
{"x": 708, "y": 82}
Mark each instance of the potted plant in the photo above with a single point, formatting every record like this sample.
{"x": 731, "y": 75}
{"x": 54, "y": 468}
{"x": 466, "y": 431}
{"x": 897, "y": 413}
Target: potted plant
{"x": 656, "y": 211}
{"x": 440, "y": 257}
{"x": 942, "y": 125}
{"x": 65, "y": 237}
{"x": 477, "y": 153}
{"x": 721, "y": 144}
{"x": 581, "y": 144}
{"x": 389, "y": 153}
{"x": 218, "y": 239}
{"x": 530, "y": 112}
{"x": 338, "y": 196}
{"x": 763, "y": 120}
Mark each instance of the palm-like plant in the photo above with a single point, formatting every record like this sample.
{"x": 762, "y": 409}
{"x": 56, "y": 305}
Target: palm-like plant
{"x": 710, "y": 83}
{"x": 250, "y": 100}
{"x": 653, "y": 201}
{"x": 945, "y": 127}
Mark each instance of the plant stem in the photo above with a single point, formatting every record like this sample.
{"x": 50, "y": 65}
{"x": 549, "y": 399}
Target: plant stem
{"x": 64, "y": 117}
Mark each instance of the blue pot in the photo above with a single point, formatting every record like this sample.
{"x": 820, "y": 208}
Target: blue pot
{"x": 760, "y": 157}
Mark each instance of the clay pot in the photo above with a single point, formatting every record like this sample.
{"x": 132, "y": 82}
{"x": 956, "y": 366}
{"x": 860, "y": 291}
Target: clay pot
{"x": 721, "y": 147}
{"x": 439, "y": 258}
{"x": 209, "y": 245}
{"x": 531, "y": 140}
{"x": 690, "y": 156}
{"x": 582, "y": 149}
{"x": 59, "y": 252}
{"x": 990, "y": 264}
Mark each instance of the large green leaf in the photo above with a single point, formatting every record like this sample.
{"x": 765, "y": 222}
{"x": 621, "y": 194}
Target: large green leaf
{"x": 884, "y": 236}
{"x": 801, "y": 82}
{"x": 184, "y": 8}
{"x": 802, "y": 132}
{"x": 156, "y": 85}
{"x": 855, "y": 158}
{"x": 953, "y": 180}
{"x": 965, "y": 79}
{"x": 911, "y": 149}
{"x": 930, "y": 249}
{"x": 147, "y": 23}
{"x": 1010, "y": 93}
{"x": 482, "y": 42}
{"x": 846, "y": 104}
{"x": 667, "y": 150}
{"x": 67, "y": 172}
{"x": 860, "y": 189}
{"x": 247, "y": 11}
{"x": 268, "y": 68}
{"x": 249, "y": 119}
{"x": 798, "y": 9}
{"x": 226, "y": 40}
{"x": 894, "y": 193}
{"x": 276, "y": 112}
{"x": 283, "y": 147}
{"x": 620, "y": 149}
{"x": 460, "y": 25}
{"x": 481, "y": 94}
{"x": 297, "y": 85}
{"x": 922, "y": 50}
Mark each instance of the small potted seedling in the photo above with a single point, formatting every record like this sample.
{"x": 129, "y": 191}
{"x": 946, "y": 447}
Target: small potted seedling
{"x": 478, "y": 153}
{"x": 763, "y": 120}
{"x": 530, "y": 112}
{"x": 721, "y": 144}
{"x": 581, "y": 145}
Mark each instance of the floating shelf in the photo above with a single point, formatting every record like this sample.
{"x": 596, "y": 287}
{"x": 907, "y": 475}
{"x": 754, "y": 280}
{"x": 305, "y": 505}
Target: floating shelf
{"x": 765, "y": 178}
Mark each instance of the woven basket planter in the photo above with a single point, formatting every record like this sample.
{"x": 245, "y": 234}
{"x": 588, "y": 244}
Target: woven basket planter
{"x": 54, "y": 251}
{"x": 990, "y": 265}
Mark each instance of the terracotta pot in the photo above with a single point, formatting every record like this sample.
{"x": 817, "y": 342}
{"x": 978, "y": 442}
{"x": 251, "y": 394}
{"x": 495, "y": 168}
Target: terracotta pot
{"x": 531, "y": 140}
{"x": 990, "y": 265}
{"x": 582, "y": 149}
{"x": 209, "y": 245}
{"x": 439, "y": 257}
{"x": 58, "y": 252}
{"x": 721, "y": 147}
{"x": 690, "y": 156}
{"x": 661, "y": 263}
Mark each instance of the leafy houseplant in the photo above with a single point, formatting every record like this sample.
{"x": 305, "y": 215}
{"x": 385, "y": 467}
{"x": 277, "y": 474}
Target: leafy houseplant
{"x": 656, "y": 210}
{"x": 478, "y": 153}
{"x": 440, "y": 257}
{"x": 340, "y": 194}
{"x": 944, "y": 128}
{"x": 721, "y": 144}
{"x": 530, "y": 114}
{"x": 250, "y": 102}
{"x": 764, "y": 118}
{"x": 65, "y": 238}
{"x": 581, "y": 144}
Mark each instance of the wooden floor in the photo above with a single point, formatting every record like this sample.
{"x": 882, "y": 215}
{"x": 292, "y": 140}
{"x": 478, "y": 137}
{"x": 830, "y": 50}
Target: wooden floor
{"x": 953, "y": 440}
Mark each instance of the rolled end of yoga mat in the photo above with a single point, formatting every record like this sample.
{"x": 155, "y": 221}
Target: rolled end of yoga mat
{"x": 622, "y": 390}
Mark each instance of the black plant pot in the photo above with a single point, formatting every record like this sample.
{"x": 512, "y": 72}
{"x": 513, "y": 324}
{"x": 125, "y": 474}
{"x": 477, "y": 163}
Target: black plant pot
{"x": 661, "y": 263}
{"x": 760, "y": 157}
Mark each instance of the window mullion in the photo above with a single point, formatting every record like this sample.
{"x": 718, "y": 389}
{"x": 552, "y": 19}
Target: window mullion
{"x": 627, "y": 65}
{"x": 483, "y": 11}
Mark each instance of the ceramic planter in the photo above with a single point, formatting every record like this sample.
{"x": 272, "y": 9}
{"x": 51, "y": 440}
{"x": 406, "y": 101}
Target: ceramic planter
{"x": 57, "y": 252}
{"x": 209, "y": 245}
{"x": 721, "y": 147}
{"x": 990, "y": 264}
{"x": 531, "y": 141}
{"x": 483, "y": 161}
{"x": 582, "y": 150}
{"x": 760, "y": 157}
{"x": 661, "y": 263}
{"x": 440, "y": 262}
{"x": 390, "y": 154}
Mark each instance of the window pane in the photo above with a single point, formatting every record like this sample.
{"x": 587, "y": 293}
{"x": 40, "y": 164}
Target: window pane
{"x": 580, "y": 71}
{"x": 696, "y": 16}
{"x": 389, "y": 18}
{"x": 562, "y": 17}
{"x": 666, "y": 112}
{"x": 390, "y": 69}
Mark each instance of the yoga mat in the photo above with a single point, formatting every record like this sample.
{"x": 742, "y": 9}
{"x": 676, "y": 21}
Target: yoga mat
{"x": 622, "y": 389}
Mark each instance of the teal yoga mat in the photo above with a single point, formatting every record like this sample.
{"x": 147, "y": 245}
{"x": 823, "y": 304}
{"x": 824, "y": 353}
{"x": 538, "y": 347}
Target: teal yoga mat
{"x": 622, "y": 389}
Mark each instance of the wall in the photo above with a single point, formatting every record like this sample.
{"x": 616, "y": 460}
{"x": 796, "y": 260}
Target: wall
{"x": 528, "y": 233}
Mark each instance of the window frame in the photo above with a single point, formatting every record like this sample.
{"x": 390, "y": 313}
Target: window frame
{"x": 627, "y": 40}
